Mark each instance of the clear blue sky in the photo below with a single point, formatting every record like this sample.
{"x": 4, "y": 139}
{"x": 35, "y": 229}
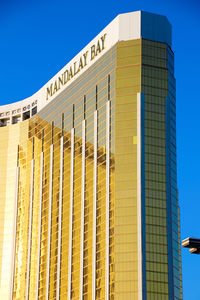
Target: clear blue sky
{"x": 37, "y": 38}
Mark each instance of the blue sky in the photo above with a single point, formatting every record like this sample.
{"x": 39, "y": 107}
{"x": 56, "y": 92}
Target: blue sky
{"x": 37, "y": 38}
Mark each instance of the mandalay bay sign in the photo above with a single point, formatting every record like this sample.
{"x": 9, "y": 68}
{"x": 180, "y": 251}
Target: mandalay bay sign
{"x": 76, "y": 67}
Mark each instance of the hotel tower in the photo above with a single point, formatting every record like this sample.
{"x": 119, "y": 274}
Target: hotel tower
{"x": 88, "y": 176}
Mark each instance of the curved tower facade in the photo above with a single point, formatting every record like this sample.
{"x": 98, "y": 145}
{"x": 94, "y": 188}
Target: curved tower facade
{"x": 88, "y": 189}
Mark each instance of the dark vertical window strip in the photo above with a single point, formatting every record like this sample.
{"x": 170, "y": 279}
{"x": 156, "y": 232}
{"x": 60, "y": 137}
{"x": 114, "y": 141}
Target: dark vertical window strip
{"x": 96, "y": 96}
{"x": 52, "y": 129}
{"x": 42, "y": 140}
{"x": 62, "y": 124}
{"x": 17, "y": 155}
{"x": 73, "y": 113}
{"x": 109, "y": 87}
{"x": 84, "y": 107}
{"x": 33, "y": 146}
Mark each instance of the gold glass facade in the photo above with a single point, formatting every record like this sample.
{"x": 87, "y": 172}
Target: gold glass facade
{"x": 80, "y": 228}
{"x": 128, "y": 84}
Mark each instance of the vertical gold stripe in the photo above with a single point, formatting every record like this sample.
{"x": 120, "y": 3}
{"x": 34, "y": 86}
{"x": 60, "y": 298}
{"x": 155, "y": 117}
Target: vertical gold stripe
{"x": 139, "y": 214}
{"x": 49, "y": 221}
{"x": 60, "y": 221}
{"x": 39, "y": 223}
{"x": 30, "y": 230}
{"x": 82, "y": 210}
{"x": 107, "y": 198}
{"x": 71, "y": 214}
{"x": 94, "y": 209}
{"x": 15, "y": 233}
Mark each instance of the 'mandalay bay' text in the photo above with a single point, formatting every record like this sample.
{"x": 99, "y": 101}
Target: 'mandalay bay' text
{"x": 76, "y": 67}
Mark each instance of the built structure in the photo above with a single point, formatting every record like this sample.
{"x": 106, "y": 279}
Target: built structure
{"x": 88, "y": 177}
{"x": 193, "y": 244}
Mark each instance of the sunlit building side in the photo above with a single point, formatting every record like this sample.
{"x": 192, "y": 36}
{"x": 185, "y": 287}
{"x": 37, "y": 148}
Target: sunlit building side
{"x": 88, "y": 180}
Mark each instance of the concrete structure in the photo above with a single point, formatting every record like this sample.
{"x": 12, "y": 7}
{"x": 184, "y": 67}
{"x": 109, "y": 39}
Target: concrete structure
{"x": 88, "y": 190}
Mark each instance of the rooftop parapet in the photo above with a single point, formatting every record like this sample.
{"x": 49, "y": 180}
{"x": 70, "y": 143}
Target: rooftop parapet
{"x": 124, "y": 27}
